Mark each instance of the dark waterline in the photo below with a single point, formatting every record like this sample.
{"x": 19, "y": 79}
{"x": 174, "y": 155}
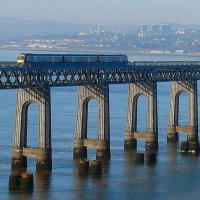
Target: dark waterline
{"x": 173, "y": 177}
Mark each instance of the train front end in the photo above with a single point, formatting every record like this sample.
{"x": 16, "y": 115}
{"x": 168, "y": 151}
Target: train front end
{"x": 21, "y": 59}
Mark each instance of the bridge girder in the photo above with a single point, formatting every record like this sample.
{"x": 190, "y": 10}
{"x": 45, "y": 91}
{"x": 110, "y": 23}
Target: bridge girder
{"x": 27, "y": 77}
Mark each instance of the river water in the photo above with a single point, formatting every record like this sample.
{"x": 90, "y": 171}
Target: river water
{"x": 173, "y": 177}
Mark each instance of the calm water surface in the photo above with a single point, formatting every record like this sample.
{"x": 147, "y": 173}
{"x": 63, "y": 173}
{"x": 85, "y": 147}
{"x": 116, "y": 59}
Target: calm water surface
{"x": 173, "y": 177}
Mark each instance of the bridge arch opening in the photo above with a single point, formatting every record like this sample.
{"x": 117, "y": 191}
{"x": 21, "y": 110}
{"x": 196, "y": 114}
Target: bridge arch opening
{"x": 31, "y": 115}
{"x": 182, "y": 99}
{"x": 141, "y": 109}
{"x": 141, "y": 118}
{"x": 92, "y": 117}
{"x": 92, "y": 107}
{"x": 32, "y": 124}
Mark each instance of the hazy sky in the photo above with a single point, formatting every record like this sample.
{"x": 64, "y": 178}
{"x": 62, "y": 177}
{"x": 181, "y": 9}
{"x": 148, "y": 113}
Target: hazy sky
{"x": 104, "y": 11}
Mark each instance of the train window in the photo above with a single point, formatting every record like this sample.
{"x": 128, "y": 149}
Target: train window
{"x": 21, "y": 57}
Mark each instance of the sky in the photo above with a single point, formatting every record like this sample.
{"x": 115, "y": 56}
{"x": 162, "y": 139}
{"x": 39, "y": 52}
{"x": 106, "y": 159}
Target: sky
{"x": 105, "y": 12}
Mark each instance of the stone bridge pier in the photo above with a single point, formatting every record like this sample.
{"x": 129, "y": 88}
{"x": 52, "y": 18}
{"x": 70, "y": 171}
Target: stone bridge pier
{"x": 149, "y": 90}
{"x": 190, "y": 87}
{"x": 102, "y": 143}
{"x": 40, "y": 96}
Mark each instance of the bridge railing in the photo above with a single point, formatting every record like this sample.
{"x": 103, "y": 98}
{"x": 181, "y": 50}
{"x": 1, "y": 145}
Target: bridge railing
{"x": 74, "y": 75}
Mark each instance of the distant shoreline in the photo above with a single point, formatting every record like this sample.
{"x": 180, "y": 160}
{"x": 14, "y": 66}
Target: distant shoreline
{"x": 128, "y": 52}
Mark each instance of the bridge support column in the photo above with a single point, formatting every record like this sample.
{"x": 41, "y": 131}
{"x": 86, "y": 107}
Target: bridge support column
{"x": 151, "y": 135}
{"x": 40, "y": 96}
{"x": 191, "y": 129}
{"x": 102, "y": 142}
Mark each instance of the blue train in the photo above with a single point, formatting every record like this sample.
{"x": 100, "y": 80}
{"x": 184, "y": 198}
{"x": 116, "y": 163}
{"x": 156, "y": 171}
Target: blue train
{"x": 69, "y": 58}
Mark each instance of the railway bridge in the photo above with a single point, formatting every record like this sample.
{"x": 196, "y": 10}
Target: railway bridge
{"x": 33, "y": 85}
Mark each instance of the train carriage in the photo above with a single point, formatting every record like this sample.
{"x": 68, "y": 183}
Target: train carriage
{"x": 80, "y": 58}
{"x": 69, "y": 58}
{"x": 30, "y": 58}
{"x": 112, "y": 58}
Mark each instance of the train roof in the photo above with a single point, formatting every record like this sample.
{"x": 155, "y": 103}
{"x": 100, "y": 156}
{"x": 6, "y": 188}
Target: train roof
{"x": 49, "y": 54}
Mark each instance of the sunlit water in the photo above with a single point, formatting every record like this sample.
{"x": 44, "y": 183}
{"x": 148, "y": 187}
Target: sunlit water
{"x": 173, "y": 177}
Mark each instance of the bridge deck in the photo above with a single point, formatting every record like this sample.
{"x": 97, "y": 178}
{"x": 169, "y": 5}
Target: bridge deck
{"x": 108, "y": 65}
{"x": 75, "y": 74}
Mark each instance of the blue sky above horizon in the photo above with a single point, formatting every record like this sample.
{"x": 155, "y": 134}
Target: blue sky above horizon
{"x": 105, "y": 12}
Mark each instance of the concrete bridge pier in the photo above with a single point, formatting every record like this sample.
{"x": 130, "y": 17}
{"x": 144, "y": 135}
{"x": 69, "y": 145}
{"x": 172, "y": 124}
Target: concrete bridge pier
{"x": 190, "y": 87}
{"x": 149, "y": 90}
{"x": 20, "y": 152}
{"x": 102, "y": 143}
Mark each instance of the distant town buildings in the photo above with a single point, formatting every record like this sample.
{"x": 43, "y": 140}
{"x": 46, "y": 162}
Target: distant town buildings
{"x": 143, "y": 29}
{"x": 154, "y": 39}
{"x": 165, "y": 28}
{"x": 98, "y": 29}
{"x": 154, "y": 29}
